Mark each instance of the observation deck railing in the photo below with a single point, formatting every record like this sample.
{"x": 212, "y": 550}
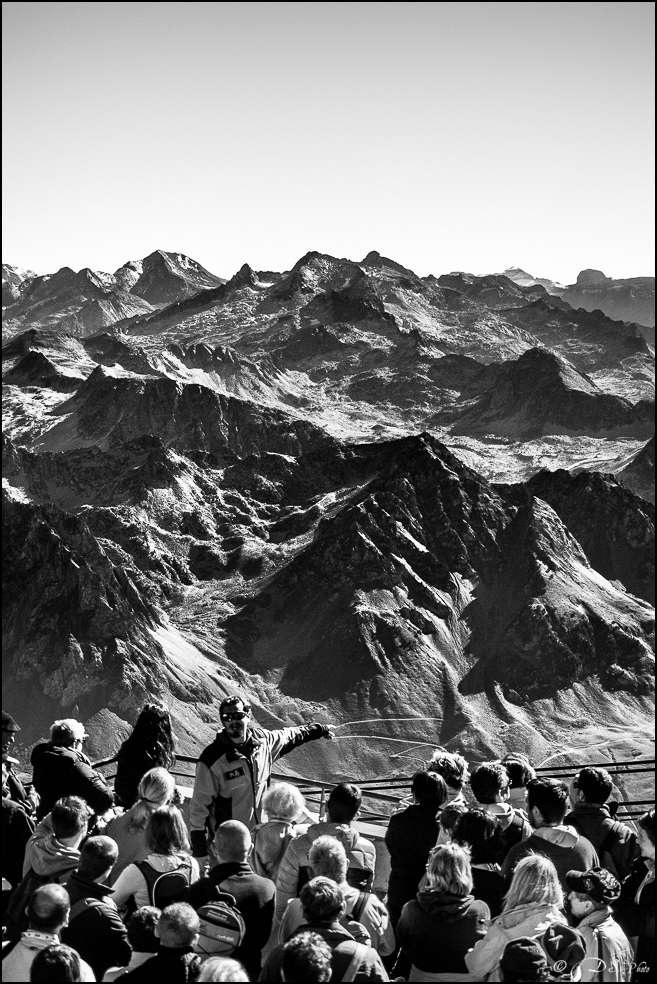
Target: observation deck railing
{"x": 390, "y": 791}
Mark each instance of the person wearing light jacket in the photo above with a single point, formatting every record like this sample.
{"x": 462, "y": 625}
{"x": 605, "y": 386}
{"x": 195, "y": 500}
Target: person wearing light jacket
{"x": 532, "y": 904}
{"x": 567, "y": 849}
{"x": 328, "y": 859}
{"x": 609, "y": 956}
{"x": 294, "y": 871}
{"x": 233, "y": 772}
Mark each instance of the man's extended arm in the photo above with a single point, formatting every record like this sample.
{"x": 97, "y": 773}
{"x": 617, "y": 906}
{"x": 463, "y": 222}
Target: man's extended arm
{"x": 284, "y": 740}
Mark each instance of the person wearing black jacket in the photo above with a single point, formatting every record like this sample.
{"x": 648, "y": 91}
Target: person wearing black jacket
{"x": 409, "y": 838}
{"x": 60, "y": 768}
{"x": 635, "y": 909}
{"x": 95, "y": 928}
{"x": 615, "y": 842}
{"x": 253, "y": 894}
{"x": 177, "y": 931}
{"x": 12, "y": 787}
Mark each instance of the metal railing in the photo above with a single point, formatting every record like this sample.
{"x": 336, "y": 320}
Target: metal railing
{"x": 391, "y": 790}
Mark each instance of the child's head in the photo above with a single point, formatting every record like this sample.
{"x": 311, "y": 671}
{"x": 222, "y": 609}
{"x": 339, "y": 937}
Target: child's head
{"x": 178, "y": 926}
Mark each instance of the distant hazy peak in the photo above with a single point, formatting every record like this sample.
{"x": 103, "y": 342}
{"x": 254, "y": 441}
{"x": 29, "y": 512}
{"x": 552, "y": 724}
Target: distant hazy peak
{"x": 591, "y": 277}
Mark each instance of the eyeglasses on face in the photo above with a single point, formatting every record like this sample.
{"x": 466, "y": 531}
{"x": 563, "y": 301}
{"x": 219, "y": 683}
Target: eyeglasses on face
{"x": 234, "y": 715}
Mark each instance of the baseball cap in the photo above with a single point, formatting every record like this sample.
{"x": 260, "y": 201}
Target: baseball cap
{"x": 8, "y": 723}
{"x": 523, "y": 960}
{"x": 598, "y": 883}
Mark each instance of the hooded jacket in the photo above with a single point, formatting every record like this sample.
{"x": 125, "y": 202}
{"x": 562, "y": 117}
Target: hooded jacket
{"x": 621, "y": 845}
{"x": 45, "y": 855}
{"x": 97, "y": 933}
{"x": 293, "y": 872}
{"x": 436, "y": 930}
{"x": 562, "y": 845}
{"x": 60, "y": 771}
{"x": 609, "y": 956}
{"x": 231, "y": 779}
{"x": 525, "y": 920}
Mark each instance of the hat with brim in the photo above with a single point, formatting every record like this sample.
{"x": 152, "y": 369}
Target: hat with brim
{"x": 8, "y": 723}
{"x": 598, "y": 883}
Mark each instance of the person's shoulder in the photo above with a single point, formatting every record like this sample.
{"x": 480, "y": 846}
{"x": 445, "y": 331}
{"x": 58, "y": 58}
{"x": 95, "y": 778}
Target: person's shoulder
{"x": 213, "y": 752}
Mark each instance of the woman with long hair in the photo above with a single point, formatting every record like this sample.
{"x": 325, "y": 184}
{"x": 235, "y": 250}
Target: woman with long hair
{"x": 533, "y": 903}
{"x": 635, "y": 909}
{"x": 156, "y": 789}
{"x": 481, "y": 832}
{"x": 436, "y": 930}
{"x": 151, "y": 744}
{"x": 167, "y": 846}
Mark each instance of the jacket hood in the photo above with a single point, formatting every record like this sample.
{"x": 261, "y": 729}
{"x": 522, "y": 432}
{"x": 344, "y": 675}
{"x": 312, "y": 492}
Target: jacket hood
{"x": 341, "y": 831}
{"x": 503, "y": 811}
{"x": 51, "y": 857}
{"x": 527, "y": 917}
{"x": 444, "y": 907}
{"x": 561, "y": 836}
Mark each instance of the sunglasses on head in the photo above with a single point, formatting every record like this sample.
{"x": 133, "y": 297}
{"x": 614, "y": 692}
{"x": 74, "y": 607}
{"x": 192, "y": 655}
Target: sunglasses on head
{"x": 234, "y": 715}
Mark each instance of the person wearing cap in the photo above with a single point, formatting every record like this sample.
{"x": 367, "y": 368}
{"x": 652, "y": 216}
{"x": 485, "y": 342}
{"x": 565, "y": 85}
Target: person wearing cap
{"x": 13, "y": 788}
{"x": 609, "y": 955}
{"x": 60, "y": 768}
{"x": 233, "y": 772}
{"x": 523, "y": 960}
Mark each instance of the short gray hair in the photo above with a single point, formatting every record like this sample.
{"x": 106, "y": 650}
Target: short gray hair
{"x": 328, "y": 859}
{"x": 283, "y": 801}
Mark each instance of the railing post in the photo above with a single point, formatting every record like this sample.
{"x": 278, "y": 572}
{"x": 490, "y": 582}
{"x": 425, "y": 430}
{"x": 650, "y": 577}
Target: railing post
{"x": 321, "y": 804}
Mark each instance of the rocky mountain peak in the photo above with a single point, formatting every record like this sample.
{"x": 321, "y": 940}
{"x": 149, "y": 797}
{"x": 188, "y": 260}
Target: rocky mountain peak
{"x": 591, "y": 277}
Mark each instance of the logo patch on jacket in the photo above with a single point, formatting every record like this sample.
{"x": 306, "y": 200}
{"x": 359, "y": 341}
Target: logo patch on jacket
{"x": 235, "y": 773}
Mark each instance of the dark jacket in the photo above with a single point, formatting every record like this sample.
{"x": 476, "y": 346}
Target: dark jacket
{"x": 621, "y": 845}
{"x": 59, "y": 771}
{"x": 638, "y": 918}
{"x": 169, "y": 966}
{"x": 232, "y": 779}
{"x": 410, "y": 836}
{"x": 97, "y": 933}
{"x": 342, "y": 945}
{"x": 490, "y": 886}
{"x": 133, "y": 762}
{"x": 255, "y": 900}
{"x": 16, "y": 791}
{"x": 436, "y": 930}
{"x": 562, "y": 845}
{"x": 17, "y": 828}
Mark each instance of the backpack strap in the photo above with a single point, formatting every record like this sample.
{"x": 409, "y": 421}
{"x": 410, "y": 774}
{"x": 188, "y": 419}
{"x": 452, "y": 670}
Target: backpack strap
{"x": 150, "y": 877}
{"x": 83, "y": 905}
{"x": 357, "y": 958}
{"x": 359, "y": 908}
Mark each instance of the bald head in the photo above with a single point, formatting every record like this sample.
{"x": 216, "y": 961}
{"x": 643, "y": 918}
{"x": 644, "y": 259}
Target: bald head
{"x": 48, "y": 909}
{"x": 232, "y": 841}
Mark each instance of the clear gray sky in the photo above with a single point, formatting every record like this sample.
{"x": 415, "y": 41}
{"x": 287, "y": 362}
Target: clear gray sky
{"x": 449, "y": 136}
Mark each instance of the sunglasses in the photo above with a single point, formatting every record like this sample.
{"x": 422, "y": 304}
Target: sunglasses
{"x": 235, "y": 716}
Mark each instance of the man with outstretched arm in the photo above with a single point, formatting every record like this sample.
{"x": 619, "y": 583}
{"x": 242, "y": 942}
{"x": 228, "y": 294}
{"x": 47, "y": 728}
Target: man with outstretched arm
{"x": 233, "y": 772}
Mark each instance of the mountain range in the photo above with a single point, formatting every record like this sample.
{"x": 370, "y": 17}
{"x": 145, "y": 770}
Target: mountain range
{"x": 438, "y": 489}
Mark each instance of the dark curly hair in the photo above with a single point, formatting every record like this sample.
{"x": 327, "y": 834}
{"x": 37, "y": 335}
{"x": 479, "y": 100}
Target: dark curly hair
{"x": 153, "y": 731}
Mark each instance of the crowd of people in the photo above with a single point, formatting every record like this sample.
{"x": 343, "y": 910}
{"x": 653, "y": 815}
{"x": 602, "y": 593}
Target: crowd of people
{"x": 495, "y": 873}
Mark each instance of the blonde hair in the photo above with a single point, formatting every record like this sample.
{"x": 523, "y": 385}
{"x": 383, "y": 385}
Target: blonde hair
{"x": 155, "y": 790}
{"x": 535, "y": 881}
{"x": 448, "y": 870}
{"x": 283, "y": 801}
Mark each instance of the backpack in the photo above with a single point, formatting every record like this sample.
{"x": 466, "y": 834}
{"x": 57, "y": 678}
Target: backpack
{"x": 15, "y": 915}
{"x": 222, "y": 928}
{"x": 513, "y": 833}
{"x": 83, "y": 905}
{"x": 166, "y": 887}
